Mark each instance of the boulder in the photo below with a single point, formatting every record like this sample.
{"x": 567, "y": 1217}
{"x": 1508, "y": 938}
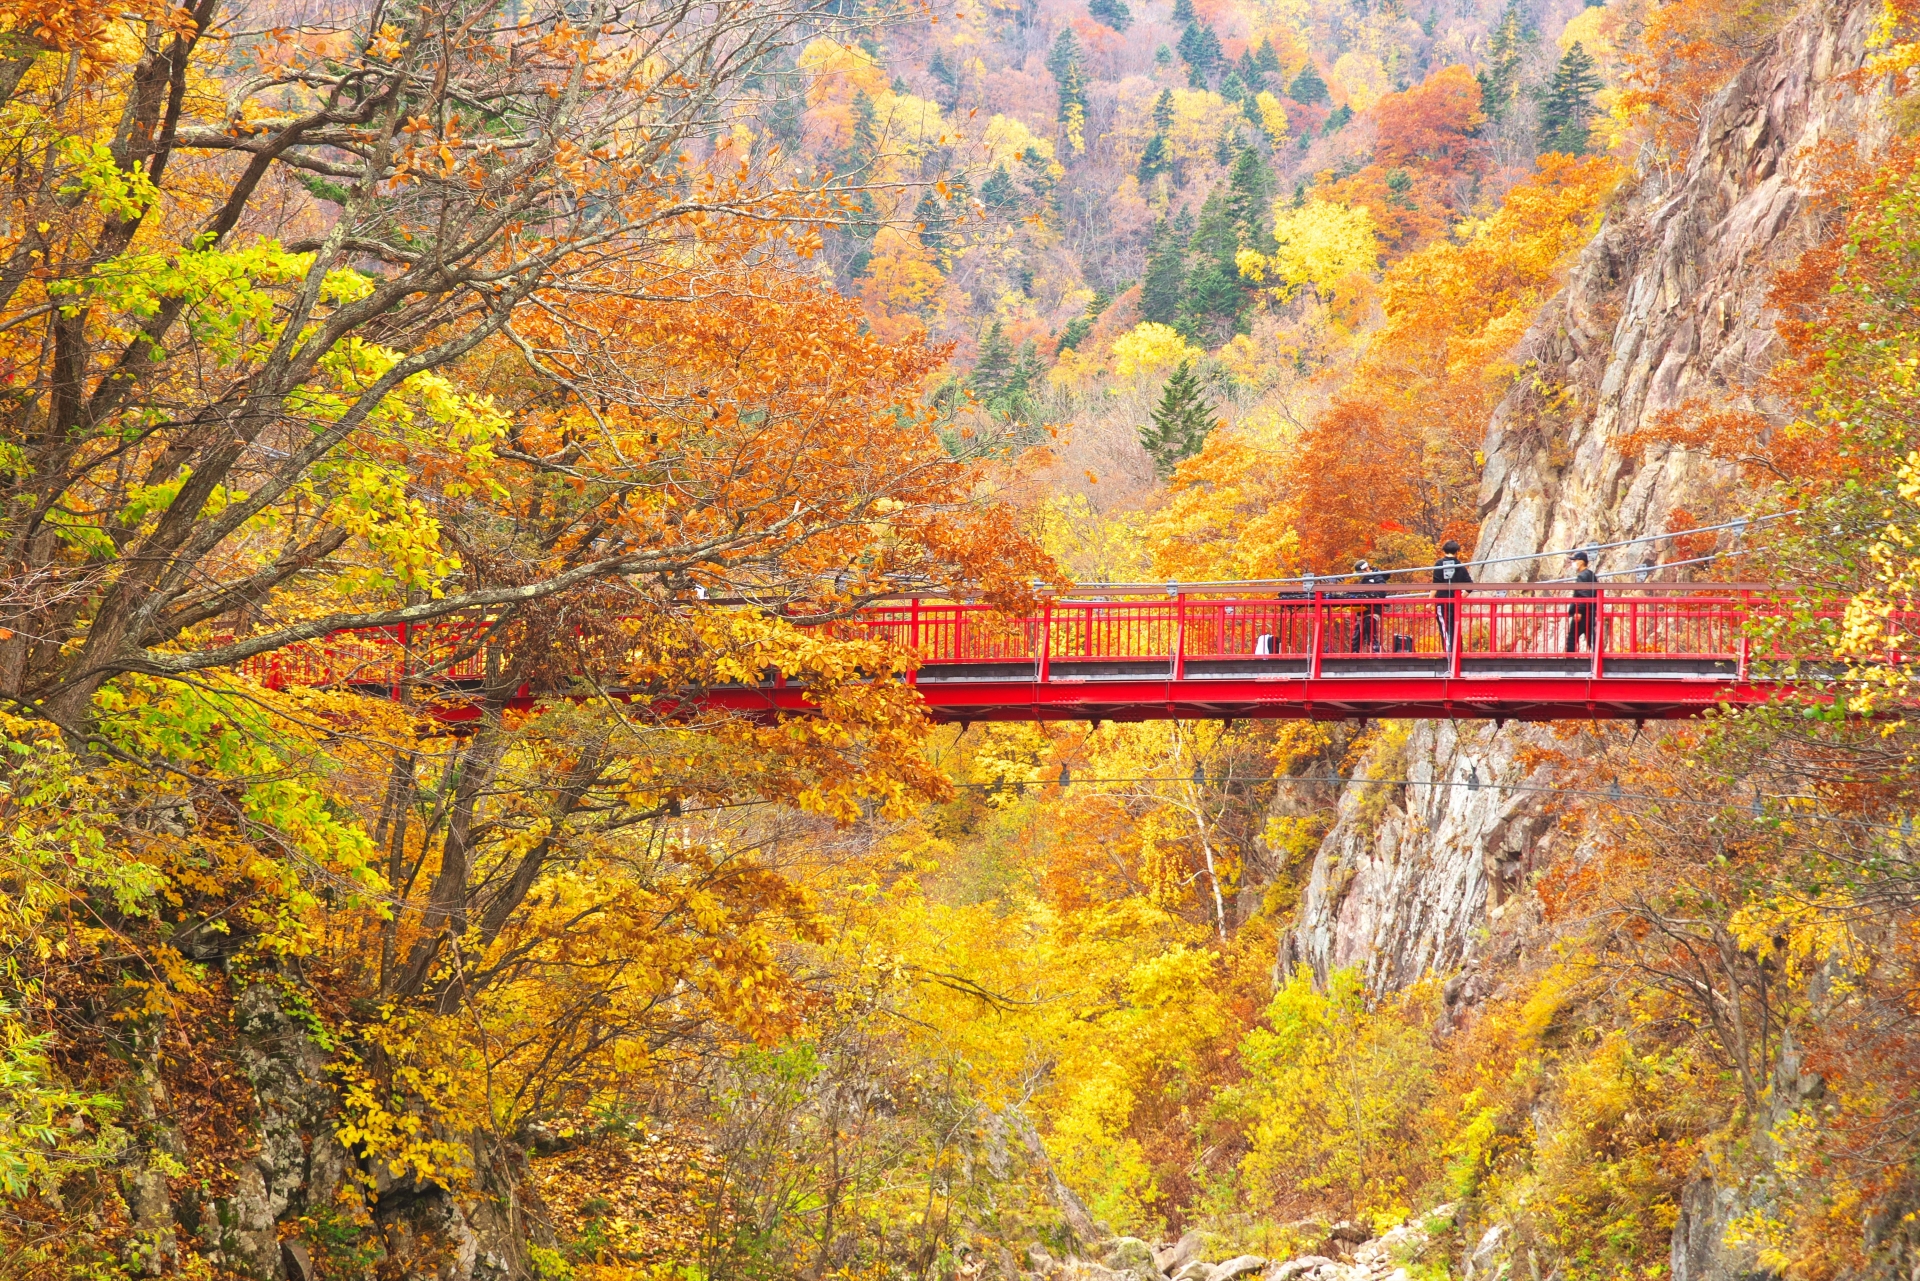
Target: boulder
{"x": 1485, "y": 1256}
{"x": 1236, "y": 1267}
{"x": 1178, "y": 1255}
{"x": 1193, "y": 1270}
{"x": 1131, "y": 1257}
{"x": 1302, "y": 1268}
{"x": 1350, "y": 1232}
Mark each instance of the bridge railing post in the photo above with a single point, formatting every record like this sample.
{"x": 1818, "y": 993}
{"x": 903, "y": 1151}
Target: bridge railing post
{"x": 1459, "y": 607}
{"x": 913, "y": 638}
{"x": 1315, "y": 646}
{"x": 400, "y": 667}
{"x": 1598, "y": 641}
{"x": 1046, "y": 639}
{"x": 1180, "y": 637}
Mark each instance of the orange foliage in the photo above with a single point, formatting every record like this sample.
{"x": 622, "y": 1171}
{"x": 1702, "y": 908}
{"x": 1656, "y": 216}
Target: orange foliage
{"x": 1686, "y": 51}
{"x": 1424, "y": 160}
{"x": 1399, "y": 448}
{"x": 1355, "y": 469}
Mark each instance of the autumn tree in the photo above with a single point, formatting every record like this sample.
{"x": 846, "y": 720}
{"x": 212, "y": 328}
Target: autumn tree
{"x": 479, "y": 346}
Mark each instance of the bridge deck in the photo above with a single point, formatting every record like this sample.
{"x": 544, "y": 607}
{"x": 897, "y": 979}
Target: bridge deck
{"x": 1494, "y": 652}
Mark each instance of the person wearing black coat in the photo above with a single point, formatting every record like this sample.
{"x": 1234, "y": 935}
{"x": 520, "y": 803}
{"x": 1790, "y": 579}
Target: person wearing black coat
{"x": 1448, "y": 571}
{"x": 1583, "y": 616}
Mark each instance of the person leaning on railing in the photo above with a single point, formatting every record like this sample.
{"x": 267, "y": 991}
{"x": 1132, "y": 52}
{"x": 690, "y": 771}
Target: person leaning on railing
{"x": 1366, "y": 628}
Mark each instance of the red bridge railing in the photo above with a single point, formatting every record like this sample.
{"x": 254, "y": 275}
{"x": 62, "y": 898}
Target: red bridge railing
{"x": 1491, "y": 650}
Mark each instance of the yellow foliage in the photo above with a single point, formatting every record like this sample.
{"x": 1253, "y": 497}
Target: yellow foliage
{"x": 1200, "y": 118}
{"x": 1362, "y": 77}
{"x": 1273, "y": 117}
{"x": 1149, "y": 350}
{"x": 1008, "y": 141}
{"x": 1326, "y": 247}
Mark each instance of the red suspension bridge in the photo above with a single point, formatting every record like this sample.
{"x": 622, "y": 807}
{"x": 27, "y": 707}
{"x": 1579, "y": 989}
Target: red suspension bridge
{"x": 1494, "y": 651}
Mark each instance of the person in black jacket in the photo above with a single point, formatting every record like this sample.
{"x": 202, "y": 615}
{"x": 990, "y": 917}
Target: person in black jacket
{"x": 1366, "y": 628}
{"x": 1583, "y": 616}
{"x": 1449, "y": 570}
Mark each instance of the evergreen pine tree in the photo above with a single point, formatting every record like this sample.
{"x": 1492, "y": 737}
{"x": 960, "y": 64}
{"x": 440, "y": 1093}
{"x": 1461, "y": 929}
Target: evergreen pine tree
{"x": 1249, "y": 73}
{"x": 1113, "y": 13}
{"x": 1017, "y": 399}
{"x": 1166, "y": 278}
{"x": 1063, "y": 60}
{"x": 1153, "y": 160}
{"x": 997, "y": 191}
{"x": 1183, "y": 10}
{"x": 993, "y": 367}
{"x": 931, "y": 215}
{"x": 1162, "y": 58}
{"x": 1163, "y": 111}
{"x": 1507, "y": 49}
{"x": 943, "y": 73}
{"x": 1265, "y": 59}
{"x": 1336, "y": 119}
{"x": 1232, "y": 87}
{"x": 1074, "y": 334}
{"x": 1568, "y": 107}
{"x": 1216, "y": 297}
{"x": 1308, "y": 87}
{"x": 865, "y": 137}
{"x": 1190, "y": 46}
{"x": 1180, "y": 422}
{"x": 1249, "y": 196}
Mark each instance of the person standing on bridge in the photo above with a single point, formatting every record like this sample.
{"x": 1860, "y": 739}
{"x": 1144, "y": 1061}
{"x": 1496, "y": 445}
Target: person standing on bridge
{"x": 1583, "y": 616}
{"x": 1448, "y": 571}
{"x": 1366, "y": 628}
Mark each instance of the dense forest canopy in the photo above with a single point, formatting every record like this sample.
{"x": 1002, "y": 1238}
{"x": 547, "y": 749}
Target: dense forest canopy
{"x": 600, "y": 355}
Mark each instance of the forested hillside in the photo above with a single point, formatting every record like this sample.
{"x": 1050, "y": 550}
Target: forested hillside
{"x": 416, "y": 413}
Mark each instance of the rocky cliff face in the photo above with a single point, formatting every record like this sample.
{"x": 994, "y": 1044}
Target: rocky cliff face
{"x": 1665, "y": 309}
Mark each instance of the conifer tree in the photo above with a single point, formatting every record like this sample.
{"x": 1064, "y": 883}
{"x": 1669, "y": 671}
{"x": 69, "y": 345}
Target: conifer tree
{"x": 1063, "y": 60}
{"x": 1265, "y": 59}
{"x": 865, "y": 137}
{"x": 1249, "y": 196}
{"x": 1337, "y": 119}
{"x": 1201, "y": 49}
{"x": 1568, "y": 107}
{"x": 1179, "y": 424}
{"x": 1216, "y": 297}
{"x": 1308, "y": 87}
{"x": 931, "y": 216}
{"x": 1507, "y": 49}
{"x": 943, "y": 74}
{"x": 1163, "y": 111}
{"x": 997, "y": 191}
{"x": 1183, "y": 10}
{"x": 1166, "y": 279}
{"x": 1153, "y": 160}
{"x": 1232, "y": 87}
{"x": 1114, "y": 13}
{"x": 993, "y": 368}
